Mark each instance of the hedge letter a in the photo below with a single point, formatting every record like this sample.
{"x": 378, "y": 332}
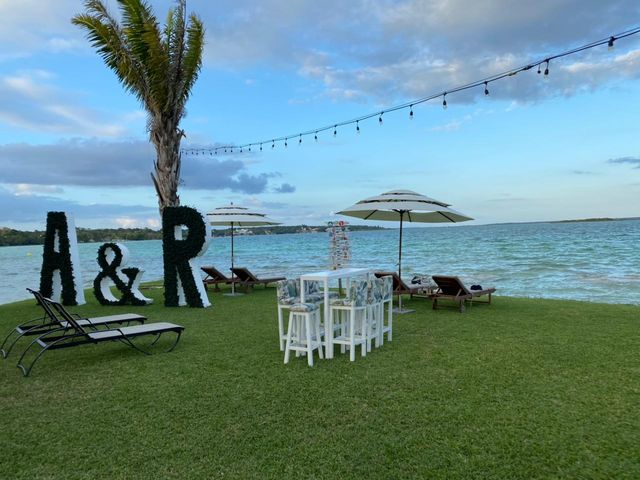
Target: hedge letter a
{"x": 60, "y": 275}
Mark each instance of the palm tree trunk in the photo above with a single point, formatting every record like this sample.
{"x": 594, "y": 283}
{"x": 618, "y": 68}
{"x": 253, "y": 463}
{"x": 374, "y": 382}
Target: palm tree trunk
{"x": 166, "y": 176}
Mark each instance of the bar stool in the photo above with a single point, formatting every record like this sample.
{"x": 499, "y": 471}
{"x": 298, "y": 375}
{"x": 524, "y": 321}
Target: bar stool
{"x": 352, "y": 323}
{"x": 303, "y": 333}
{"x": 387, "y": 300}
{"x": 287, "y": 292}
{"x": 375, "y": 314}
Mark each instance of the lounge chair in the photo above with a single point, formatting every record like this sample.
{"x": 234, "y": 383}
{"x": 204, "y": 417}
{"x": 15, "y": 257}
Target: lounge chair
{"x": 247, "y": 279}
{"x": 75, "y": 334}
{"x": 399, "y": 287}
{"x": 215, "y": 277}
{"x": 452, "y": 288}
{"x": 52, "y": 321}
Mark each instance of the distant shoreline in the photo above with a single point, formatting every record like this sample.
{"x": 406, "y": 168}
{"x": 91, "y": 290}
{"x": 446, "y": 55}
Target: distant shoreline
{"x": 13, "y": 238}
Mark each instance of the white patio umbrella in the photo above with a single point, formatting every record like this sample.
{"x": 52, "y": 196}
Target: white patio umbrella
{"x": 405, "y": 206}
{"x": 235, "y": 216}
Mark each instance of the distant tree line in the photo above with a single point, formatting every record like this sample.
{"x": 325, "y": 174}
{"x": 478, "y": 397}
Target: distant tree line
{"x": 11, "y": 237}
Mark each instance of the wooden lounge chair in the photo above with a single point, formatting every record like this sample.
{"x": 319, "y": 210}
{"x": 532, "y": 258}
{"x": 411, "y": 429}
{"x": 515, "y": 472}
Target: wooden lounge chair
{"x": 399, "y": 287}
{"x": 75, "y": 334}
{"x": 53, "y": 321}
{"x": 215, "y": 277}
{"x": 247, "y": 279}
{"x": 453, "y": 289}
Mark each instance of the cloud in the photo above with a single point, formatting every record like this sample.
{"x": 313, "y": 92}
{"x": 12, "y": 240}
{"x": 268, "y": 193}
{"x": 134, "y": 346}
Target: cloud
{"x": 398, "y": 49}
{"x": 95, "y": 162}
{"x": 30, "y": 100}
{"x": 31, "y": 26}
{"x": 285, "y": 188}
{"x": 634, "y": 161}
{"x": 34, "y": 208}
{"x": 31, "y": 189}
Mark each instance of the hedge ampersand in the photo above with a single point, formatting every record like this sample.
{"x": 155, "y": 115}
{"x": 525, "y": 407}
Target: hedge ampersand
{"x": 60, "y": 277}
{"x": 182, "y": 282}
{"x": 112, "y": 257}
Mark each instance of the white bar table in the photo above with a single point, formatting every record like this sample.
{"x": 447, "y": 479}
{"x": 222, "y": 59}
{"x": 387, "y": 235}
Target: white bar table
{"x": 325, "y": 277}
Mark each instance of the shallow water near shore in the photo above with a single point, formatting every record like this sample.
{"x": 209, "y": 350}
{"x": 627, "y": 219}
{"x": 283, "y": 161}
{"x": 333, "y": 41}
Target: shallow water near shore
{"x": 593, "y": 261}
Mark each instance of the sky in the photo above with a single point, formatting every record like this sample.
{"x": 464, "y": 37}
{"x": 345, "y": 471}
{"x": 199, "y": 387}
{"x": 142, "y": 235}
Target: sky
{"x": 537, "y": 148}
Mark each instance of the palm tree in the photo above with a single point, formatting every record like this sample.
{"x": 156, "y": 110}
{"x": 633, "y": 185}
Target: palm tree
{"x": 158, "y": 66}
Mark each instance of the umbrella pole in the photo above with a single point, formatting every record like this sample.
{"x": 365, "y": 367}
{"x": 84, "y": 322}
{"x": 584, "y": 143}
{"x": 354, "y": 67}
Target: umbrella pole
{"x": 400, "y": 309}
{"x": 400, "y": 263}
{"x": 233, "y": 284}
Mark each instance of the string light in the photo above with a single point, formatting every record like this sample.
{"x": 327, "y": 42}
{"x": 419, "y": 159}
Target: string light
{"x": 285, "y": 143}
{"x": 335, "y": 130}
{"x": 609, "y": 41}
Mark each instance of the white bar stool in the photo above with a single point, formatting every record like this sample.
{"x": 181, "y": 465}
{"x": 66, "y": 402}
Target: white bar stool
{"x": 303, "y": 333}
{"x": 352, "y": 321}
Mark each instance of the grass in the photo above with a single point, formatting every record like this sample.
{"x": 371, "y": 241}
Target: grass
{"x": 523, "y": 388}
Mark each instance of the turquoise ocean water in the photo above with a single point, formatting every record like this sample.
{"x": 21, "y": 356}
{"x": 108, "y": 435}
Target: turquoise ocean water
{"x": 594, "y": 261}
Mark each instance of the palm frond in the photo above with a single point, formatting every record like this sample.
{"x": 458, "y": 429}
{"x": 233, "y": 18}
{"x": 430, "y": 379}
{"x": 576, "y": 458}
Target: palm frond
{"x": 107, "y": 38}
{"x": 192, "y": 61}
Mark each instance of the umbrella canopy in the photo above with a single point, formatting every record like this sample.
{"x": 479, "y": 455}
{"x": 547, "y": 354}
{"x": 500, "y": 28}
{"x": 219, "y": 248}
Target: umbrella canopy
{"x": 404, "y": 206}
{"x": 235, "y": 216}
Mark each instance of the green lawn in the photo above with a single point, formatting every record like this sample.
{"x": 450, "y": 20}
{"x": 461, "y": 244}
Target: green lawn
{"x": 518, "y": 389}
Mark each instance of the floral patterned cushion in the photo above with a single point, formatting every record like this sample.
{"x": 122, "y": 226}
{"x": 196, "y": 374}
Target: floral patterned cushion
{"x": 375, "y": 292}
{"x": 304, "y": 307}
{"x": 287, "y": 290}
{"x": 387, "y": 288}
{"x": 357, "y": 296}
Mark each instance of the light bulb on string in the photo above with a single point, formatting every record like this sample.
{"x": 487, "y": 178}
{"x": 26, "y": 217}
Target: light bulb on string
{"x": 380, "y": 118}
{"x": 444, "y": 100}
{"x": 546, "y": 69}
{"x": 260, "y": 147}
{"x": 315, "y": 136}
{"x": 610, "y": 43}
{"x": 215, "y": 152}
{"x": 539, "y": 72}
{"x": 273, "y": 144}
{"x": 300, "y": 140}
{"x": 240, "y": 149}
{"x": 410, "y": 112}
{"x": 486, "y": 88}
{"x": 358, "y": 126}
{"x": 285, "y": 143}
{"x": 335, "y": 130}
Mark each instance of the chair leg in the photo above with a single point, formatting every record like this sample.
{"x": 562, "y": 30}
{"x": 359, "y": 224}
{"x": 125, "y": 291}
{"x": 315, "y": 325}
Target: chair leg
{"x": 364, "y": 333}
{"x": 280, "y": 328}
{"x": 390, "y": 334}
{"x": 351, "y": 325}
{"x": 288, "y": 341}
{"x": 318, "y": 336}
{"x": 307, "y": 321}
